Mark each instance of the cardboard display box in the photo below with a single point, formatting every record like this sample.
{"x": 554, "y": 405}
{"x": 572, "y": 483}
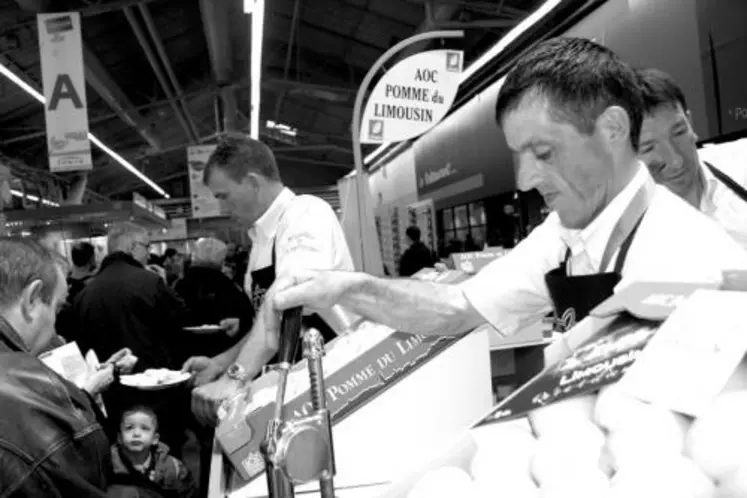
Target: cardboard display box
{"x": 596, "y": 352}
{"x": 358, "y": 367}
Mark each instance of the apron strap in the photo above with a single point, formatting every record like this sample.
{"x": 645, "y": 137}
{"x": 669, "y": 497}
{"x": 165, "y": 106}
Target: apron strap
{"x": 628, "y": 222}
{"x": 739, "y": 190}
{"x": 620, "y": 263}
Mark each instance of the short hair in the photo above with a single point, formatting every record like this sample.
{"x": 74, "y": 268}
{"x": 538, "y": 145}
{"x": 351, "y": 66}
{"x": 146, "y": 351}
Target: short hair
{"x": 237, "y": 155}
{"x": 170, "y": 252}
{"x": 658, "y": 88}
{"x": 22, "y": 261}
{"x": 579, "y": 78}
{"x": 82, "y": 253}
{"x": 413, "y": 232}
{"x": 210, "y": 250}
{"x": 121, "y": 236}
{"x": 140, "y": 409}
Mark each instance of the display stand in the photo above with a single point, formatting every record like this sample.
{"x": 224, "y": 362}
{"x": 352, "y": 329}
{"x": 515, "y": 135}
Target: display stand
{"x": 406, "y": 423}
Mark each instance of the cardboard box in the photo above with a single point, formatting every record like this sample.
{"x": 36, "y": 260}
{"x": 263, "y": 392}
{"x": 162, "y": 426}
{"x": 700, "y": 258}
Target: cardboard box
{"x": 618, "y": 329}
{"x": 358, "y": 367}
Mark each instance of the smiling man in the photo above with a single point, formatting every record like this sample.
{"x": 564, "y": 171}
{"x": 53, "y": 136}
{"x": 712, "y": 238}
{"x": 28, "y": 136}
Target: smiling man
{"x": 571, "y": 112}
{"x": 669, "y": 147}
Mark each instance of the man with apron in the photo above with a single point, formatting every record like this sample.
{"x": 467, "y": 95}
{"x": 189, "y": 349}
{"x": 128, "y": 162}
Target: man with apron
{"x": 570, "y": 111}
{"x": 288, "y": 232}
{"x": 669, "y": 147}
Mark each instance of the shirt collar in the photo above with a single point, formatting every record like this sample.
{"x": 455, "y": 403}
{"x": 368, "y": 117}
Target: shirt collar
{"x": 267, "y": 224}
{"x": 711, "y": 184}
{"x": 593, "y": 239}
{"x": 10, "y": 339}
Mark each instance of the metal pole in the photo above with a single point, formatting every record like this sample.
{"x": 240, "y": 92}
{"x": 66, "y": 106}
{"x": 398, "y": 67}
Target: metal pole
{"x": 362, "y": 91}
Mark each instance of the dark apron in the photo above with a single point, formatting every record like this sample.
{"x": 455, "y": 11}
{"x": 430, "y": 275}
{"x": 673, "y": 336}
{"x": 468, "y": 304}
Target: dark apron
{"x": 262, "y": 280}
{"x": 729, "y": 182}
{"x": 574, "y": 297}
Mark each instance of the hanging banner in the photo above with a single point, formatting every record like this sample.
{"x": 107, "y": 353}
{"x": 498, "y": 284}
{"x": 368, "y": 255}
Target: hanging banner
{"x": 412, "y": 97}
{"x": 64, "y": 83}
{"x": 204, "y": 203}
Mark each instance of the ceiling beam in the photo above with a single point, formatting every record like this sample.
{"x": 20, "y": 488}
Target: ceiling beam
{"x": 436, "y": 12}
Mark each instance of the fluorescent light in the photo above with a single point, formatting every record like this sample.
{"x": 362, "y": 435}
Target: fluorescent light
{"x": 33, "y": 198}
{"x": 122, "y": 161}
{"x": 493, "y": 52}
{"x": 510, "y": 37}
{"x": 249, "y": 6}
{"x": 257, "y": 23}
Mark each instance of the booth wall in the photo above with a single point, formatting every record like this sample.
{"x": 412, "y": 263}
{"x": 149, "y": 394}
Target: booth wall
{"x": 465, "y": 157}
{"x": 394, "y": 183}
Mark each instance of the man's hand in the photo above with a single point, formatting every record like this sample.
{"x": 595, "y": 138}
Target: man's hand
{"x": 230, "y": 326}
{"x": 207, "y": 399}
{"x": 99, "y": 380}
{"x": 204, "y": 369}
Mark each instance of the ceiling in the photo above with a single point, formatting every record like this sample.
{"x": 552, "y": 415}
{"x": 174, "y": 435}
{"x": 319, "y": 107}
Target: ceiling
{"x": 164, "y": 74}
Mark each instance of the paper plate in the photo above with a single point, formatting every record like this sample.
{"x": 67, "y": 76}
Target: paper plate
{"x": 155, "y": 379}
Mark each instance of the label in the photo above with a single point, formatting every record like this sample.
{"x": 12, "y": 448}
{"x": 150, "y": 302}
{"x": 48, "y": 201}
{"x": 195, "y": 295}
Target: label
{"x": 412, "y": 97}
{"x": 694, "y": 353}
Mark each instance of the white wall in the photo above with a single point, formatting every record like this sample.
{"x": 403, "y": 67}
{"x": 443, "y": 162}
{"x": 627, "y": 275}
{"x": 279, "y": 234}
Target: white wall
{"x": 394, "y": 183}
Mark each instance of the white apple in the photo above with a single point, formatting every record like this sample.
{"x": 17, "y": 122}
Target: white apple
{"x": 717, "y": 441}
{"x": 580, "y": 483}
{"x": 502, "y": 450}
{"x": 562, "y": 415}
{"x": 516, "y": 487}
{"x": 576, "y": 451}
{"x": 445, "y": 482}
{"x": 734, "y": 485}
{"x": 738, "y": 380}
{"x": 673, "y": 476}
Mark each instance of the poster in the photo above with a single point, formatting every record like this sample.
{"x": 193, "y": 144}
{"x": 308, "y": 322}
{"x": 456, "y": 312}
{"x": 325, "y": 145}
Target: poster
{"x": 412, "y": 97}
{"x": 65, "y": 110}
{"x": 204, "y": 204}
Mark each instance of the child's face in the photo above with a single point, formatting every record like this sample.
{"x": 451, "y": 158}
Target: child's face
{"x": 138, "y": 432}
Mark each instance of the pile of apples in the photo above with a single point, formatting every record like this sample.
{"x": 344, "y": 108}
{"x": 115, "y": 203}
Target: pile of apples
{"x": 607, "y": 445}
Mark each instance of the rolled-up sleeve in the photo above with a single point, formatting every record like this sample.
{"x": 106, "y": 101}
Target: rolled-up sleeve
{"x": 307, "y": 236}
{"x": 510, "y": 292}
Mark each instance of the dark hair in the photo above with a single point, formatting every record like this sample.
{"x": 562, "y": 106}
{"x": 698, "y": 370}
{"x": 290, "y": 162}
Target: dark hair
{"x": 579, "y": 78}
{"x": 170, "y": 253}
{"x": 238, "y": 154}
{"x": 658, "y": 88}
{"x": 413, "y": 232}
{"x": 140, "y": 409}
{"x": 22, "y": 261}
{"x": 82, "y": 253}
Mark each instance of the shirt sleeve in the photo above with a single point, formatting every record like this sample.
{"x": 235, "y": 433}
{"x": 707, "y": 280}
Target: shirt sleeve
{"x": 510, "y": 293}
{"x": 306, "y": 237}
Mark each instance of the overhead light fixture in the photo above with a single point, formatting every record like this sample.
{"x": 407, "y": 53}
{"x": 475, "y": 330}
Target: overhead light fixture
{"x": 93, "y": 138}
{"x": 256, "y": 8}
{"x": 33, "y": 198}
{"x": 515, "y": 32}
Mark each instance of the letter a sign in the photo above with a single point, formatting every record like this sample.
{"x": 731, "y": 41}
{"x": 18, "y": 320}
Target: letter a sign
{"x": 65, "y": 110}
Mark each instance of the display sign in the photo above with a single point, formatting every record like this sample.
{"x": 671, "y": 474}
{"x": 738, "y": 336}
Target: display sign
{"x": 204, "y": 203}
{"x": 412, "y": 97}
{"x": 473, "y": 262}
{"x": 176, "y": 231}
{"x": 65, "y": 110}
{"x": 664, "y": 374}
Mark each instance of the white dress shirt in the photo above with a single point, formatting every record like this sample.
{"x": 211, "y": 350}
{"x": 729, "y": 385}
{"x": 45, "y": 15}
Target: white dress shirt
{"x": 305, "y": 233}
{"x": 674, "y": 243}
{"x": 723, "y": 205}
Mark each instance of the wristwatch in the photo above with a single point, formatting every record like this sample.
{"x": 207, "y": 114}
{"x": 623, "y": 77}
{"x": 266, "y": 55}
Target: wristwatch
{"x": 237, "y": 372}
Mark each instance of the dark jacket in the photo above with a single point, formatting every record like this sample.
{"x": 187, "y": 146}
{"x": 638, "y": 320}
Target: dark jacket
{"x": 415, "y": 258}
{"x": 51, "y": 444}
{"x": 125, "y": 305}
{"x": 166, "y": 476}
{"x": 210, "y": 296}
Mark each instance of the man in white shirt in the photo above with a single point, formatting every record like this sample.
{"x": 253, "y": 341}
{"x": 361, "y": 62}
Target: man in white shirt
{"x": 669, "y": 147}
{"x": 571, "y": 112}
{"x": 289, "y": 232}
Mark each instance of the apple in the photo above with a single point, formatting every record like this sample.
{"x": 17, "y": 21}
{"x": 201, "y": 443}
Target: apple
{"x": 502, "y": 450}
{"x": 734, "y": 485}
{"x": 576, "y": 451}
{"x": 670, "y": 476}
{"x": 717, "y": 441}
{"x": 561, "y": 416}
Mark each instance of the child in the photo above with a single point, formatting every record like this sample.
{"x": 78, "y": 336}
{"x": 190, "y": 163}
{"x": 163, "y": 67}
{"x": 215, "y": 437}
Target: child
{"x": 140, "y": 460}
